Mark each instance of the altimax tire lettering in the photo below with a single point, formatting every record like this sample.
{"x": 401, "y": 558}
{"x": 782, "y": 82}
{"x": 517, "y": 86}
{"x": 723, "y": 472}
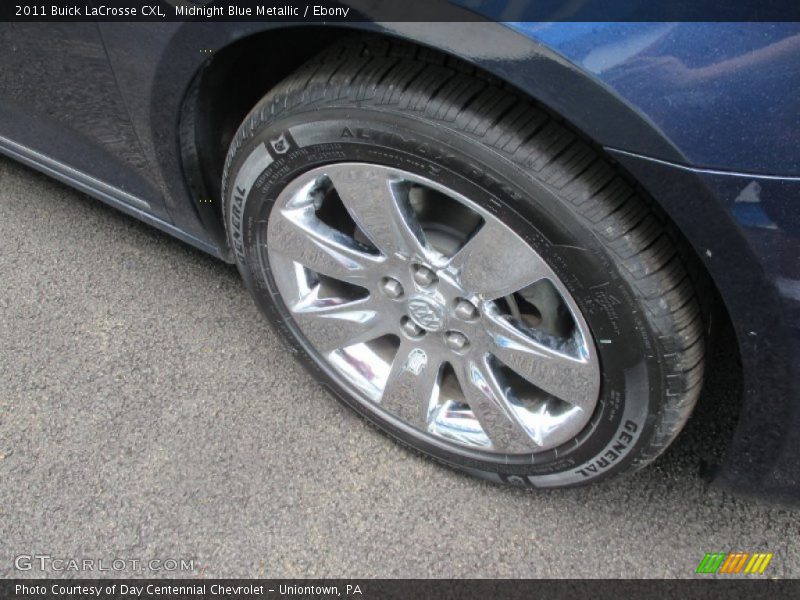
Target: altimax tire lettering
{"x": 360, "y": 134}
{"x": 422, "y": 148}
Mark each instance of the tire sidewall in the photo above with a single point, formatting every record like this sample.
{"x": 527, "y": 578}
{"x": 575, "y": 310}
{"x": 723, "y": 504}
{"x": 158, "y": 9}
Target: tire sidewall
{"x": 631, "y": 384}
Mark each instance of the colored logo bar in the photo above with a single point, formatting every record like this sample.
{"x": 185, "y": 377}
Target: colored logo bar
{"x": 735, "y": 563}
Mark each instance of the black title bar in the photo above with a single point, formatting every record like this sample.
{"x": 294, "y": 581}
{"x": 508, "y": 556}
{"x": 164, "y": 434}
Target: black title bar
{"x": 326, "y": 11}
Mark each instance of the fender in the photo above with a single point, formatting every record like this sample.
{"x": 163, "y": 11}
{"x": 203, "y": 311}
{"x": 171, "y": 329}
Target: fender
{"x": 172, "y": 56}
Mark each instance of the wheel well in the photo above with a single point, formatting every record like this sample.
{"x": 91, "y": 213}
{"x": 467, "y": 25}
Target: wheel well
{"x": 221, "y": 95}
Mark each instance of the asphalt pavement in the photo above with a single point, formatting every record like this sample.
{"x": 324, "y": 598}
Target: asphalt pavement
{"x": 148, "y": 413}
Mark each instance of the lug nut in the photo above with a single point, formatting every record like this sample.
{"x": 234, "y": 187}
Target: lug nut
{"x": 424, "y": 276}
{"x": 466, "y": 310}
{"x": 392, "y": 288}
{"x": 456, "y": 340}
{"x": 411, "y": 329}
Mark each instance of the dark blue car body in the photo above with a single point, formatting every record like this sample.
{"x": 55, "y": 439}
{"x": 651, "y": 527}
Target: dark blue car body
{"x": 705, "y": 116}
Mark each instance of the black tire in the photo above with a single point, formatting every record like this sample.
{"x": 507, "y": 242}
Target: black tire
{"x": 622, "y": 261}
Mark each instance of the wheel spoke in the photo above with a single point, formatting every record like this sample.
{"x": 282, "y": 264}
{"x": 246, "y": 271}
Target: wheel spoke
{"x": 486, "y": 398}
{"x": 497, "y": 262}
{"x": 538, "y": 358}
{"x": 333, "y": 323}
{"x": 380, "y": 209}
{"x": 298, "y": 235}
{"x": 345, "y": 230}
{"x": 412, "y": 384}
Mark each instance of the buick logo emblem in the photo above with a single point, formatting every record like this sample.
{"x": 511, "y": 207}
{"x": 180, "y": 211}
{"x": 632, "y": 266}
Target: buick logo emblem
{"x": 426, "y": 312}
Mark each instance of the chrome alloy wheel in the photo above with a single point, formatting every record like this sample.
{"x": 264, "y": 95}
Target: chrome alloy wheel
{"x": 431, "y": 310}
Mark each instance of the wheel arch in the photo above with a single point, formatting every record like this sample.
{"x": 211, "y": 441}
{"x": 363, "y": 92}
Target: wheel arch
{"x": 240, "y": 70}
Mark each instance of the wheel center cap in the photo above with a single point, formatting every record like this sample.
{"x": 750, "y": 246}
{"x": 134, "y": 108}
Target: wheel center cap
{"x": 426, "y": 312}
